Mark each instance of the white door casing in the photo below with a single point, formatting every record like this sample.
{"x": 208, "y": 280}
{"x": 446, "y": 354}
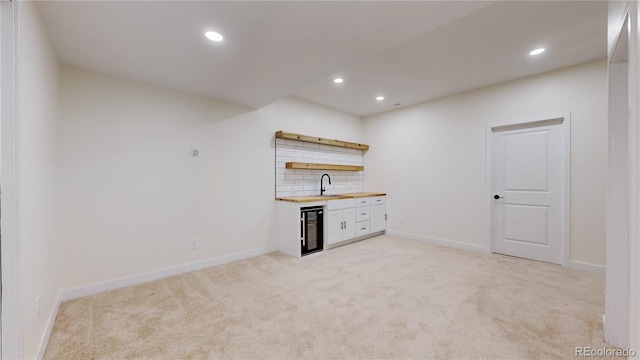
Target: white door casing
{"x": 528, "y": 167}
{"x": 11, "y": 309}
{"x": 621, "y": 186}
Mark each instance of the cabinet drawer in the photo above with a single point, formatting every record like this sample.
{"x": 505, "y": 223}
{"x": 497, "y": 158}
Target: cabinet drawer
{"x": 378, "y": 200}
{"x": 362, "y": 202}
{"x": 340, "y": 204}
{"x": 362, "y": 228}
{"x": 362, "y": 213}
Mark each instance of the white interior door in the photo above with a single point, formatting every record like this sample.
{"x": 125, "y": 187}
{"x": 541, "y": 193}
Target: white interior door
{"x": 528, "y": 178}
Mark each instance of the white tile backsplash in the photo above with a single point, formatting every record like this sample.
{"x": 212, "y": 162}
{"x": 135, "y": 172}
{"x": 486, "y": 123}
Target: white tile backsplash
{"x": 295, "y": 182}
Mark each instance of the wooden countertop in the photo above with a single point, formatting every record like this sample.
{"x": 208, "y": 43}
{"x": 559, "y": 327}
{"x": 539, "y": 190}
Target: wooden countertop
{"x": 325, "y": 198}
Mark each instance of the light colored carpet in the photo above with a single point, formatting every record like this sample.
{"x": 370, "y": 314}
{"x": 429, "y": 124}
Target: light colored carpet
{"x": 380, "y": 298}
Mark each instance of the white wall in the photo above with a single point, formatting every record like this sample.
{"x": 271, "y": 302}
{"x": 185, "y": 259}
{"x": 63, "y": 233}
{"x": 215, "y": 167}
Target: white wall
{"x": 36, "y": 173}
{"x": 436, "y": 151}
{"x": 131, "y": 194}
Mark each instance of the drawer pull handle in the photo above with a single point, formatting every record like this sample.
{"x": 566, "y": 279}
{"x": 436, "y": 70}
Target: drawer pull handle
{"x": 363, "y": 214}
{"x": 363, "y": 228}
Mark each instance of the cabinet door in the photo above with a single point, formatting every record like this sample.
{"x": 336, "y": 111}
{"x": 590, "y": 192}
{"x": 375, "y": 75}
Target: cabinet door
{"x": 349, "y": 231}
{"x": 377, "y": 218}
{"x": 334, "y": 226}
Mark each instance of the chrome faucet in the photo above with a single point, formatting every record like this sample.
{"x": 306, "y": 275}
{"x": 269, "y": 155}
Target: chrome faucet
{"x": 322, "y": 186}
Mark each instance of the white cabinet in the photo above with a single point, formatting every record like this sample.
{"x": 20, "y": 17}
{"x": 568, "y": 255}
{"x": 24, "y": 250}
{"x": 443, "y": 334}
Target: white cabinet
{"x": 355, "y": 218}
{"x": 335, "y": 224}
{"x": 362, "y": 228}
{"x": 362, "y": 213}
{"x": 344, "y": 219}
{"x": 341, "y": 225}
{"x": 289, "y": 221}
{"x": 341, "y": 220}
{"x": 362, "y": 217}
{"x": 378, "y": 214}
{"x": 377, "y": 218}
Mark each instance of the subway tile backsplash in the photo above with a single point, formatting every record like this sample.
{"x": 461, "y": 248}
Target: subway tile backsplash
{"x": 294, "y": 182}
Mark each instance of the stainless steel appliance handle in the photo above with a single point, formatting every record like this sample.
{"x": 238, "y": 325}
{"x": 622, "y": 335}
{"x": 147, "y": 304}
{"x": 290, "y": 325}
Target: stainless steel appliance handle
{"x": 303, "y": 219}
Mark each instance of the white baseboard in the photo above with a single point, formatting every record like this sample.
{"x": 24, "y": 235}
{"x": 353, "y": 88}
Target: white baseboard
{"x": 443, "y": 242}
{"x": 47, "y": 334}
{"x": 160, "y": 274}
{"x": 577, "y": 265}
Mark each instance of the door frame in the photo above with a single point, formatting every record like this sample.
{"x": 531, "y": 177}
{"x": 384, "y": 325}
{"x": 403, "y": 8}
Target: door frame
{"x": 11, "y": 339}
{"x": 565, "y": 122}
{"x": 625, "y": 330}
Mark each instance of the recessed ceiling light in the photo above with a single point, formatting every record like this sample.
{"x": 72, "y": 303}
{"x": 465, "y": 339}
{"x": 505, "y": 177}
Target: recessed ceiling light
{"x": 338, "y": 80}
{"x": 380, "y": 98}
{"x": 537, "y": 51}
{"x": 213, "y": 36}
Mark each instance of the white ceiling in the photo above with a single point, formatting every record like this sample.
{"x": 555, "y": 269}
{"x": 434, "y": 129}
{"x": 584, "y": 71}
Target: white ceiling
{"x": 407, "y": 51}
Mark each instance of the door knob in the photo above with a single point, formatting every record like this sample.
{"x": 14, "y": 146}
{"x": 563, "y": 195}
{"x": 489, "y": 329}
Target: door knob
{"x": 498, "y": 197}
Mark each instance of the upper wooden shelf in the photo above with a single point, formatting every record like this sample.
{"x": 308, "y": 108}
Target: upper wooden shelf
{"x": 313, "y": 166}
{"x": 319, "y": 140}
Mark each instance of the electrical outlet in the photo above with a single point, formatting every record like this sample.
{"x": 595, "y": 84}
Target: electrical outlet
{"x": 38, "y": 307}
{"x": 194, "y": 244}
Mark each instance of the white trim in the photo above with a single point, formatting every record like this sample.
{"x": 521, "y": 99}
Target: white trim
{"x": 11, "y": 309}
{"x": 634, "y": 180}
{"x": 616, "y": 39}
{"x": 577, "y": 265}
{"x": 529, "y": 121}
{"x": 618, "y": 236}
{"x": 566, "y": 245}
{"x": 436, "y": 241}
{"x": 533, "y": 121}
{"x": 160, "y": 274}
{"x": 47, "y": 334}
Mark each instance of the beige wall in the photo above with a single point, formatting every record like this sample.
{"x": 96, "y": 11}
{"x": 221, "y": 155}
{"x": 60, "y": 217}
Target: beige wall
{"x": 436, "y": 151}
{"x": 36, "y": 178}
{"x": 131, "y": 194}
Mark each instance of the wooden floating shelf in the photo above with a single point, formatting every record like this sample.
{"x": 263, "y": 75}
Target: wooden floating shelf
{"x": 319, "y": 140}
{"x": 312, "y": 166}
